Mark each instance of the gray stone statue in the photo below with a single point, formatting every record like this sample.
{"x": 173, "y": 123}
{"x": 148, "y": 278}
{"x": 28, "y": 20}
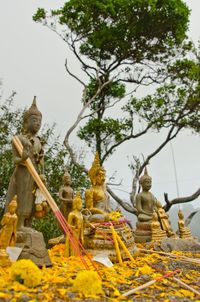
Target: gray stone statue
{"x": 66, "y": 195}
{"x": 146, "y": 204}
{"x": 145, "y": 200}
{"x": 21, "y": 182}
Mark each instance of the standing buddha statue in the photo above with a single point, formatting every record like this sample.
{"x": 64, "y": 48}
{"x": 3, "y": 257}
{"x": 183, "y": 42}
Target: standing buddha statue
{"x": 22, "y": 183}
{"x": 66, "y": 194}
{"x": 9, "y": 225}
{"x": 75, "y": 220}
{"x": 8, "y": 232}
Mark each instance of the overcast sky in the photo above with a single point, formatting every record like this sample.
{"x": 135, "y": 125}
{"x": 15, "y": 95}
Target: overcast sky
{"x": 32, "y": 63}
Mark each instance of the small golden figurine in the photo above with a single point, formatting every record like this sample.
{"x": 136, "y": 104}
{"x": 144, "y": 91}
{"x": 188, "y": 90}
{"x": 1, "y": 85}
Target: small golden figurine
{"x": 41, "y": 206}
{"x": 157, "y": 233}
{"x": 9, "y": 225}
{"x": 164, "y": 220}
{"x": 75, "y": 219}
{"x": 184, "y": 232}
{"x": 8, "y": 231}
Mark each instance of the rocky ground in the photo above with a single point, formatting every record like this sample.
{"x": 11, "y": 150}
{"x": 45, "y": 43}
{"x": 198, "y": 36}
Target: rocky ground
{"x": 57, "y": 282}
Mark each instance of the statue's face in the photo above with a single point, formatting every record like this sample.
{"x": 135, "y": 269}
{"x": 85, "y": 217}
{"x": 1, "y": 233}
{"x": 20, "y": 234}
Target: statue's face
{"x": 147, "y": 184}
{"x": 12, "y": 209}
{"x": 100, "y": 178}
{"x": 34, "y": 124}
{"x": 67, "y": 180}
{"x": 78, "y": 204}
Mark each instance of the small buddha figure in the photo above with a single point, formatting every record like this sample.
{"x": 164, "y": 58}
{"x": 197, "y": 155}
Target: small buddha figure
{"x": 145, "y": 201}
{"x": 97, "y": 176}
{"x": 22, "y": 183}
{"x": 66, "y": 195}
{"x": 75, "y": 219}
{"x": 157, "y": 233}
{"x": 9, "y": 225}
{"x": 41, "y": 206}
{"x": 184, "y": 232}
{"x": 164, "y": 220}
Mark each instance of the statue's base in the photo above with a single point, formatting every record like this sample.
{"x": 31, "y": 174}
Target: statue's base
{"x": 143, "y": 232}
{"x": 100, "y": 241}
{"x": 33, "y": 246}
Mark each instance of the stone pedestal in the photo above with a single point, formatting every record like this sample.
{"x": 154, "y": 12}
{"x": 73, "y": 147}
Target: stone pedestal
{"x": 33, "y": 246}
{"x": 178, "y": 244}
{"x": 158, "y": 235}
{"x": 100, "y": 240}
{"x": 143, "y": 232}
{"x": 186, "y": 234}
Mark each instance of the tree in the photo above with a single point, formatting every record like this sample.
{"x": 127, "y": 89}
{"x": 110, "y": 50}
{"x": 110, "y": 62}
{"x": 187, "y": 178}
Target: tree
{"x": 123, "y": 46}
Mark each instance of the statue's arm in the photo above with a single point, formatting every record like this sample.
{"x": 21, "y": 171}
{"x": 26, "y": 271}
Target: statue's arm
{"x": 71, "y": 220}
{"x": 15, "y": 224}
{"x": 139, "y": 205}
{"x": 82, "y": 234}
{"x": 20, "y": 160}
{"x": 4, "y": 220}
{"x": 60, "y": 194}
{"x": 61, "y": 197}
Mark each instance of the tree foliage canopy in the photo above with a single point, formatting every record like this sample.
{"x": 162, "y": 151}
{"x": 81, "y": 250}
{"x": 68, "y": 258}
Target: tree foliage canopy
{"x": 123, "y": 46}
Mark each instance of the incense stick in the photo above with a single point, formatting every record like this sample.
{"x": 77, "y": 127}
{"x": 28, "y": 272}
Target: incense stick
{"x": 132, "y": 291}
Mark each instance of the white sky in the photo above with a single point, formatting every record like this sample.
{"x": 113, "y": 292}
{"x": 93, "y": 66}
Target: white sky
{"x": 32, "y": 63}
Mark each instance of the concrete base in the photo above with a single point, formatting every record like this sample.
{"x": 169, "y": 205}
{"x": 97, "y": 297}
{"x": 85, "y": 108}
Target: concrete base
{"x": 33, "y": 247}
{"x": 143, "y": 232}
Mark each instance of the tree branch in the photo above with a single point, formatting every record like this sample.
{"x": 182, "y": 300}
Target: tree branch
{"x": 169, "y": 137}
{"x": 126, "y": 206}
{"x": 109, "y": 150}
{"x": 86, "y": 104}
{"x": 169, "y": 204}
{"x": 73, "y": 75}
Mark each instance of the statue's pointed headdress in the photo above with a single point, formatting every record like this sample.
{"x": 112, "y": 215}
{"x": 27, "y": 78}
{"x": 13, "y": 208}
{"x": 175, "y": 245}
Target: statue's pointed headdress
{"x": 96, "y": 168}
{"x": 77, "y": 198}
{"x": 33, "y": 110}
{"x": 13, "y": 201}
{"x": 144, "y": 176}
